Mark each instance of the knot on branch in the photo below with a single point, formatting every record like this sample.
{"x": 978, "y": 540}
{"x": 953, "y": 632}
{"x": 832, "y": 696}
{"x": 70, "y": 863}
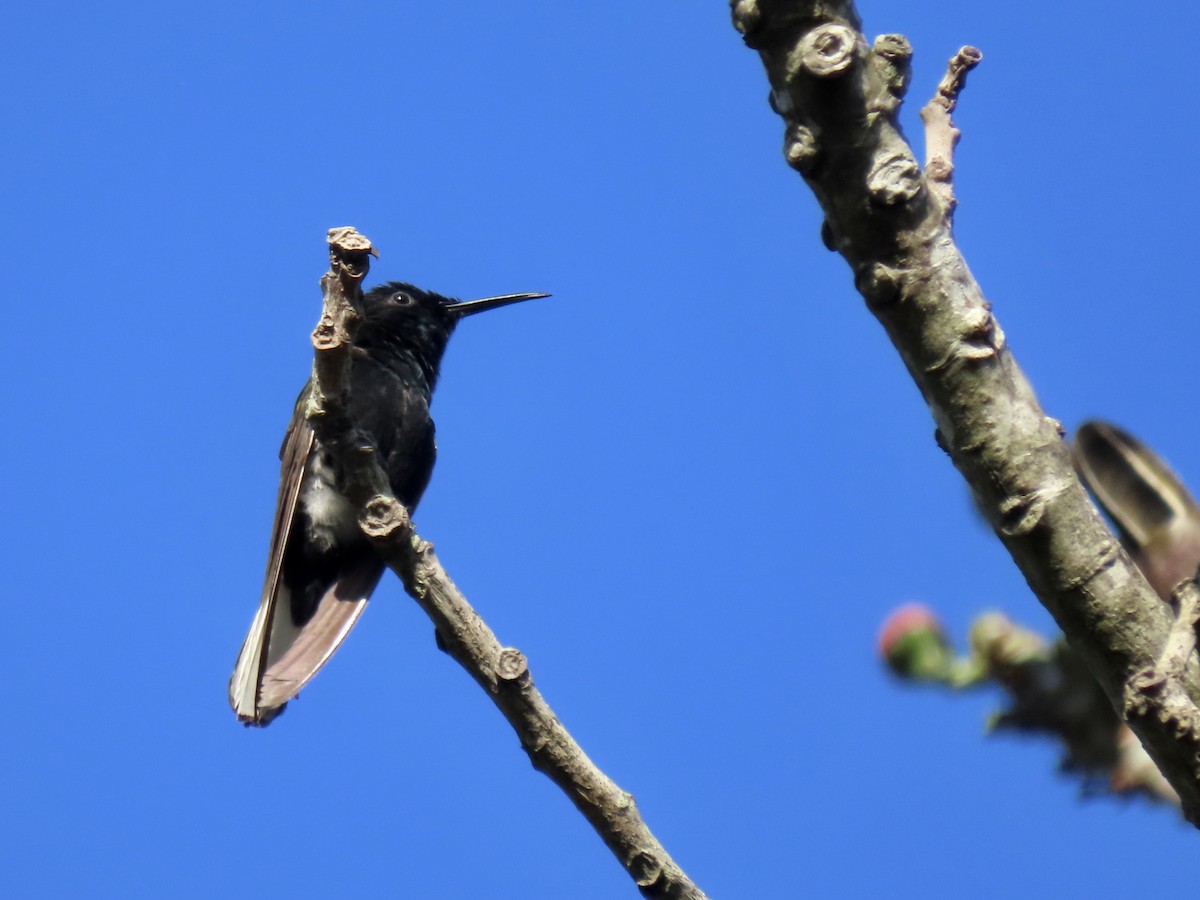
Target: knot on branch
{"x": 981, "y": 338}
{"x": 1020, "y": 515}
{"x": 879, "y": 284}
{"x": 894, "y": 178}
{"x": 1154, "y": 693}
{"x": 425, "y": 565}
{"x": 894, "y": 55}
{"x": 828, "y": 51}
{"x": 329, "y": 334}
{"x": 512, "y": 668}
{"x": 800, "y": 148}
{"x": 1160, "y": 691}
{"x": 382, "y": 516}
{"x": 747, "y": 17}
{"x": 939, "y": 168}
{"x": 646, "y": 869}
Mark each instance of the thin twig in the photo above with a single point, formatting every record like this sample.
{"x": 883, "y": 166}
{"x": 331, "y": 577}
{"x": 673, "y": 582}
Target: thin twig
{"x": 502, "y": 672}
{"x": 941, "y": 136}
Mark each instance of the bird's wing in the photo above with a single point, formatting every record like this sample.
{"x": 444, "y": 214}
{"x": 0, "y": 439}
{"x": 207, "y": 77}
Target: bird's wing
{"x": 1156, "y": 516}
{"x": 278, "y": 657}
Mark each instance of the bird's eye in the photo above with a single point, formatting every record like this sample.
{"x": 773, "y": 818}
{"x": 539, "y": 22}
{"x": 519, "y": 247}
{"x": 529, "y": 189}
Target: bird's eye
{"x": 400, "y": 298}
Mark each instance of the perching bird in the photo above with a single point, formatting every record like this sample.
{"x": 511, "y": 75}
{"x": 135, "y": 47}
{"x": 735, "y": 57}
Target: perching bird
{"x": 322, "y": 569}
{"x": 1156, "y": 517}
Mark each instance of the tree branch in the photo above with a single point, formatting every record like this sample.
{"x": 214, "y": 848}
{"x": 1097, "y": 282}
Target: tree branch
{"x": 502, "y": 672}
{"x": 839, "y": 101}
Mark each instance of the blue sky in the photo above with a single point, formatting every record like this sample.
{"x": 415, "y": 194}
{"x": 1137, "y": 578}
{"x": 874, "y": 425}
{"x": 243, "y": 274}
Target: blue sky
{"x": 689, "y": 487}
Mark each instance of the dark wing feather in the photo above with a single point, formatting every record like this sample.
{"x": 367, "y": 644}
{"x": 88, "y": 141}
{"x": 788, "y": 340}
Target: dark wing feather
{"x": 312, "y": 645}
{"x": 1156, "y": 516}
{"x": 278, "y": 658}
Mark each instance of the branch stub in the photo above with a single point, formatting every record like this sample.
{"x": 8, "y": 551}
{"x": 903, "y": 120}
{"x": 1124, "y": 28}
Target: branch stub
{"x": 746, "y": 16}
{"x": 511, "y": 666}
{"x": 382, "y": 516}
{"x": 827, "y": 51}
{"x": 800, "y": 148}
{"x": 895, "y": 178}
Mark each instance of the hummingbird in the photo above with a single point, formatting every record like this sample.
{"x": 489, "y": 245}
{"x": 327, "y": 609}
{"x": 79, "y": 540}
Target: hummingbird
{"x": 321, "y": 569}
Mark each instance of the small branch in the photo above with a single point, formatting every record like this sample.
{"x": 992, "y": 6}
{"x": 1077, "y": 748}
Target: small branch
{"x": 502, "y": 672}
{"x": 941, "y": 136}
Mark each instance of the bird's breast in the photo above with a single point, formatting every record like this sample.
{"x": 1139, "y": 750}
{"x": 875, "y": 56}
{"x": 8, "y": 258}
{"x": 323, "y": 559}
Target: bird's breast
{"x": 332, "y": 519}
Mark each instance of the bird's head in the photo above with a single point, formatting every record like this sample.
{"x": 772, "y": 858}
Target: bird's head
{"x": 412, "y": 322}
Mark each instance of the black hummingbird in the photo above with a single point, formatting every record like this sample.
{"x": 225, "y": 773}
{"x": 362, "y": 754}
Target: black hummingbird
{"x": 321, "y": 569}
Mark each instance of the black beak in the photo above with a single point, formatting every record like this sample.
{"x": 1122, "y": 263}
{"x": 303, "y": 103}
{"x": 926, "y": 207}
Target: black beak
{"x": 470, "y": 307}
